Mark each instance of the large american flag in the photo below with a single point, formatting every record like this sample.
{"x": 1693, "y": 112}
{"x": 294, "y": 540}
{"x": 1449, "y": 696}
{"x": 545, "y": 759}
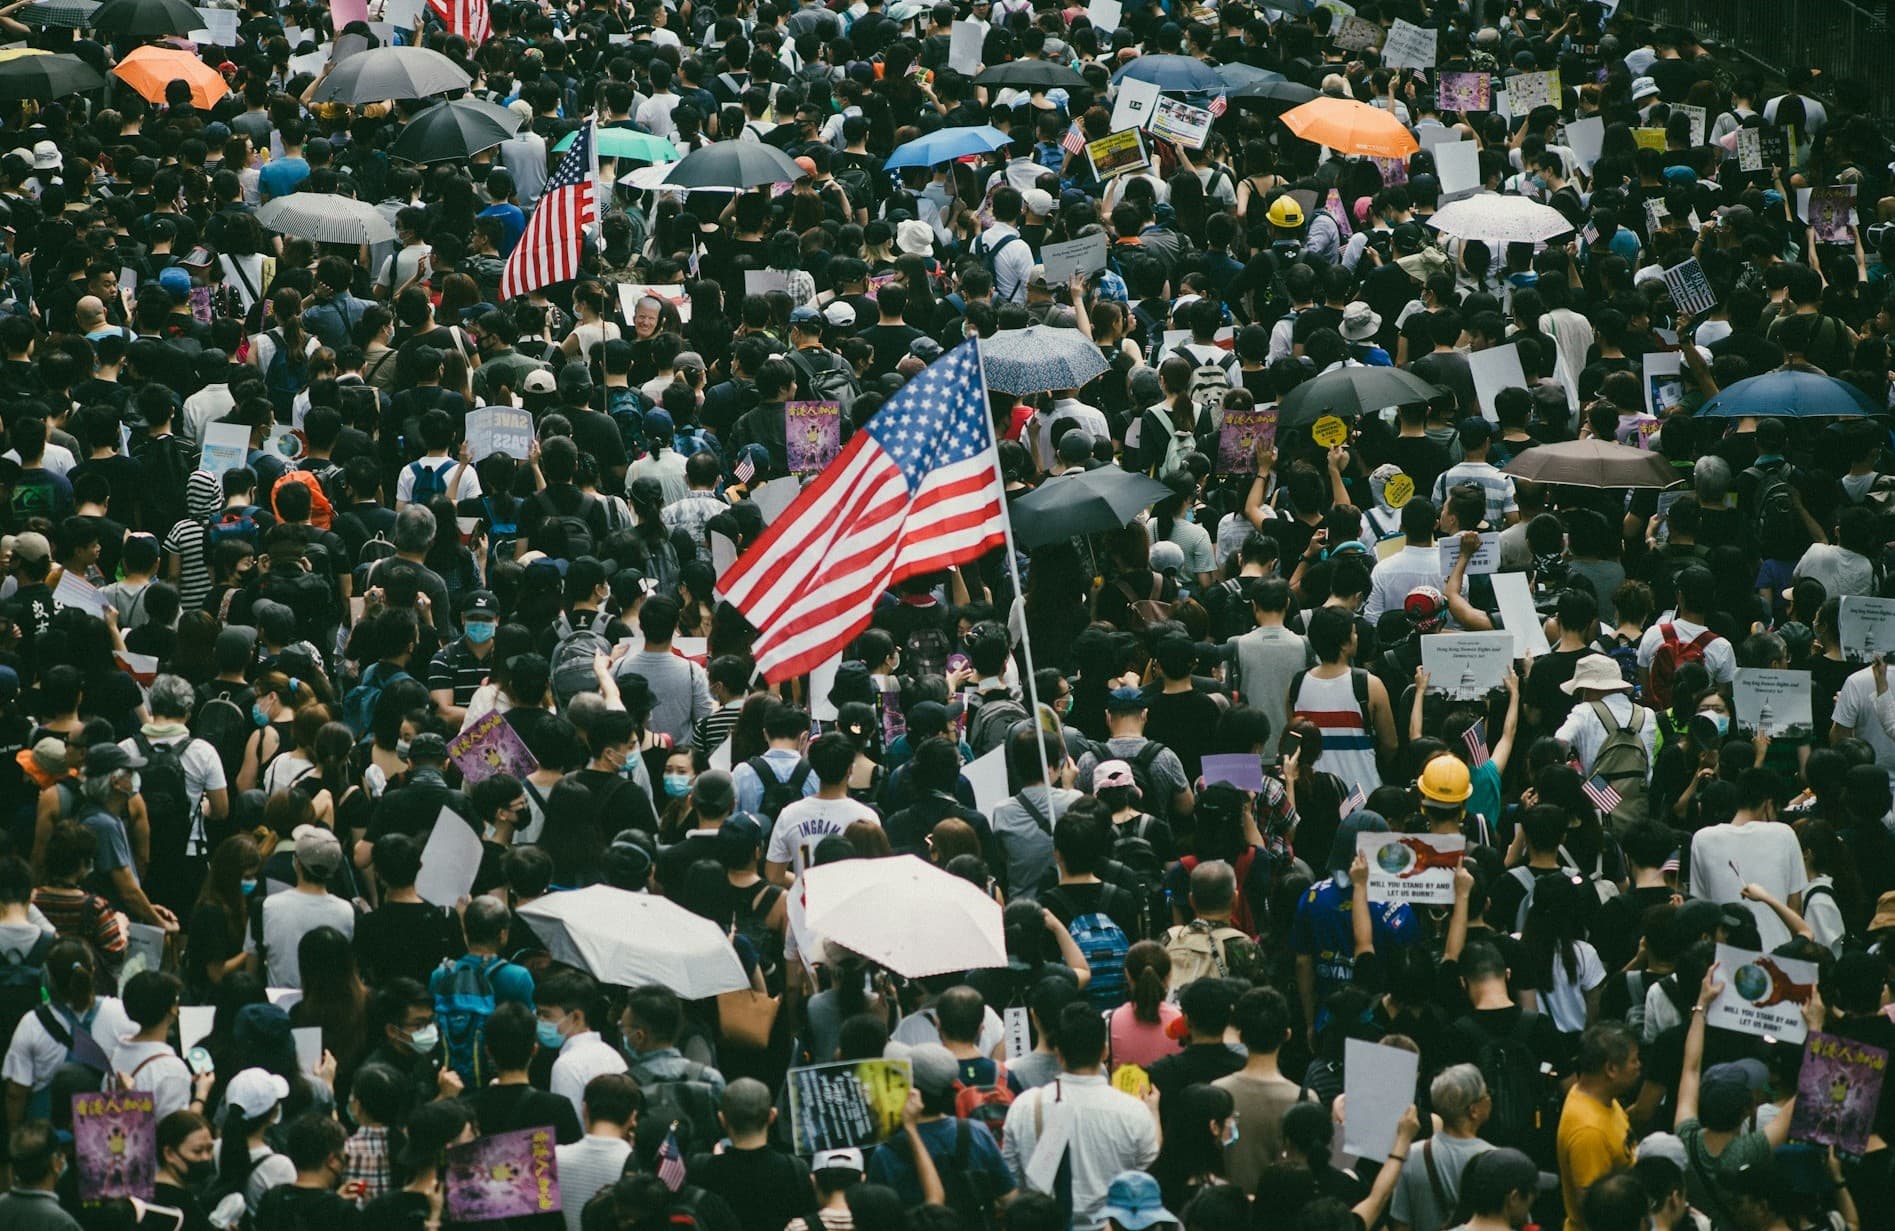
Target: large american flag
{"x": 917, "y": 489}
{"x": 468, "y": 18}
{"x": 555, "y": 236}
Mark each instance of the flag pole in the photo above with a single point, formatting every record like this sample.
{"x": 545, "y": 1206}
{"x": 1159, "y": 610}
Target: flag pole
{"x": 1019, "y": 590}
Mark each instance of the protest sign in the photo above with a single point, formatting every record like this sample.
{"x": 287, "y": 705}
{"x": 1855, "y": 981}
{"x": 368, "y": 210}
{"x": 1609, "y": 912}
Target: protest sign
{"x": 144, "y": 948}
{"x": 1242, "y": 770}
{"x": 75, "y": 591}
{"x": 1649, "y": 139}
{"x": 505, "y": 1175}
{"x": 1415, "y": 868}
{"x": 1180, "y": 122}
{"x": 964, "y": 43}
{"x": 1132, "y": 107}
{"x": 1750, "y": 149}
{"x": 852, "y": 1104}
{"x": 1485, "y": 560}
{"x": 1329, "y": 431}
{"x": 1525, "y": 91}
{"x": 1239, "y": 437}
{"x": 450, "y": 861}
{"x": 1830, "y": 211}
{"x": 773, "y": 497}
{"x": 1699, "y": 121}
{"x": 1105, "y": 14}
{"x": 1867, "y": 625}
{"x": 763, "y": 281}
{"x": 115, "y": 1142}
{"x": 1494, "y": 369}
{"x": 1409, "y": 46}
{"x": 987, "y": 777}
{"x": 1513, "y": 594}
{"x": 1399, "y": 490}
{"x": 1457, "y": 165}
{"x": 1394, "y": 170}
{"x": 1690, "y": 289}
{"x": 1586, "y": 138}
{"x": 307, "y": 1040}
{"x": 226, "y": 447}
{"x": 1118, "y": 153}
{"x": 1357, "y": 33}
{"x": 1466, "y": 92}
{"x": 631, "y": 292}
{"x": 1085, "y": 255}
{"x": 1131, "y": 1079}
{"x": 1774, "y": 144}
{"x": 1774, "y": 703}
{"x": 1466, "y": 666}
{"x": 1664, "y": 381}
{"x": 1763, "y": 994}
{"x": 220, "y": 25}
{"x": 1838, "y": 1090}
{"x": 490, "y": 747}
{"x": 499, "y": 429}
{"x": 1379, "y": 1083}
{"x": 812, "y": 434}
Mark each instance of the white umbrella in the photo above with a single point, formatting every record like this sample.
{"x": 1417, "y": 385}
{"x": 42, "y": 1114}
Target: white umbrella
{"x": 634, "y": 939}
{"x": 1507, "y": 219}
{"x": 325, "y": 217}
{"x": 906, "y": 914}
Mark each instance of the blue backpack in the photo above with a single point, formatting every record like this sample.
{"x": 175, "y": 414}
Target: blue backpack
{"x": 358, "y": 704}
{"x": 501, "y": 534}
{"x": 287, "y": 375}
{"x": 429, "y": 482}
{"x": 1104, "y": 945}
{"x": 463, "y": 1001}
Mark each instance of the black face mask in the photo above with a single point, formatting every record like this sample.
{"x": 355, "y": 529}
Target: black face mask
{"x": 200, "y": 1175}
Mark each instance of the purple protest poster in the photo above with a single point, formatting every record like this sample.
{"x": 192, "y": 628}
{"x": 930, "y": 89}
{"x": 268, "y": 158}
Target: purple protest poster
{"x": 507, "y": 1175}
{"x": 1837, "y": 1092}
{"x": 1466, "y": 92}
{"x": 812, "y": 433}
{"x": 1239, "y": 437}
{"x": 115, "y": 1139}
{"x": 490, "y": 747}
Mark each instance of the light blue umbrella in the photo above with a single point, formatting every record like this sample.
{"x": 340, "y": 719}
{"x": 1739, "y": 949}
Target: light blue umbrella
{"x": 1172, "y": 73}
{"x": 1789, "y": 394}
{"x": 947, "y": 144}
{"x": 1040, "y": 358}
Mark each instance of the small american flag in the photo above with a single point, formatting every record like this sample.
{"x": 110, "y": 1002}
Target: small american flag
{"x": 1476, "y": 739}
{"x": 1216, "y": 105}
{"x": 555, "y": 235}
{"x": 1074, "y": 141}
{"x": 671, "y": 1160}
{"x": 1354, "y": 801}
{"x": 1600, "y": 792}
{"x": 468, "y": 18}
{"x": 745, "y": 469}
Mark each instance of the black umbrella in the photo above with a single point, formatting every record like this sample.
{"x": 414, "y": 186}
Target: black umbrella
{"x": 450, "y": 131}
{"x": 69, "y": 14}
{"x": 1351, "y": 392}
{"x": 1032, "y": 74}
{"x": 1084, "y": 502}
{"x": 733, "y": 164}
{"x": 146, "y": 18}
{"x": 1270, "y": 95}
{"x": 47, "y": 77}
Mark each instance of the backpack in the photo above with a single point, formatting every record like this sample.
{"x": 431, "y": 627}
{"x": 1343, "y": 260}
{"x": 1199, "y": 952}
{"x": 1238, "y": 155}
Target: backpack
{"x": 834, "y": 383}
{"x": 986, "y": 1102}
{"x": 1140, "y": 763}
{"x": 1210, "y": 380}
{"x": 375, "y": 549}
{"x": 926, "y": 650}
{"x": 1202, "y": 949}
{"x": 989, "y": 256}
{"x": 1523, "y": 1116}
{"x": 691, "y": 1101}
{"x": 1668, "y": 657}
{"x": 236, "y": 524}
{"x": 969, "y": 1189}
{"x": 1104, "y": 944}
{"x": 779, "y": 793}
{"x": 1626, "y": 655}
{"x": 571, "y": 666}
{"x": 429, "y": 482}
{"x": 857, "y": 184}
{"x": 988, "y": 728}
{"x": 22, "y": 972}
{"x": 1140, "y": 872}
{"x": 1776, "y": 504}
{"x": 358, "y": 704}
{"x": 1623, "y": 762}
{"x": 167, "y": 806}
{"x": 168, "y": 463}
{"x": 463, "y": 1001}
{"x": 1141, "y": 614}
{"x": 752, "y": 923}
{"x": 502, "y": 536}
{"x": 1172, "y": 459}
{"x": 1246, "y": 916}
{"x": 226, "y": 729}
{"x": 287, "y": 375}
{"x": 573, "y": 532}
{"x": 322, "y": 514}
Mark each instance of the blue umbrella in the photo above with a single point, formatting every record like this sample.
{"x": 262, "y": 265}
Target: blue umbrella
{"x": 1789, "y": 394}
{"x": 1172, "y": 73}
{"x": 947, "y": 144}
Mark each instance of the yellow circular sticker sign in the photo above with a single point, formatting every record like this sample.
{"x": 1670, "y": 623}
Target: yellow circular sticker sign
{"x": 1130, "y": 1079}
{"x": 1399, "y": 490}
{"x": 1329, "y": 431}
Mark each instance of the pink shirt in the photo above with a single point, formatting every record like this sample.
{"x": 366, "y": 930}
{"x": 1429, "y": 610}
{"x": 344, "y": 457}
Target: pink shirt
{"x": 1140, "y": 1043}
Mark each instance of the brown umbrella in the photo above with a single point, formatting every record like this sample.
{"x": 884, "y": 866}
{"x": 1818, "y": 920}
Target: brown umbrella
{"x": 1593, "y": 463}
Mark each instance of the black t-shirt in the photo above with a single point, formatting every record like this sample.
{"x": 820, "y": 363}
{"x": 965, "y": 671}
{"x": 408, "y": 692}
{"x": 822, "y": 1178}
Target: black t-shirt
{"x": 1618, "y": 927}
{"x": 1420, "y": 458}
{"x": 1184, "y": 722}
{"x": 306, "y": 1209}
{"x": 1068, "y": 902}
{"x": 559, "y": 500}
{"x": 764, "y": 1187}
{"x": 506, "y": 1109}
{"x": 406, "y": 938}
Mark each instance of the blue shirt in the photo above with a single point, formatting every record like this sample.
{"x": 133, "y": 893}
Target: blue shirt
{"x": 280, "y": 177}
{"x": 512, "y": 217}
{"x": 1323, "y": 933}
{"x": 892, "y": 1166}
{"x": 750, "y": 788}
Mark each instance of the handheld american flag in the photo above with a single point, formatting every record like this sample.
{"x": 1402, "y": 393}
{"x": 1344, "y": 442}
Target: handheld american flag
{"x": 1074, "y": 140}
{"x": 917, "y": 489}
{"x": 555, "y": 236}
{"x": 1476, "y": 739}
{"x": 671, "y": 1161}
{"x": 1217, "y": 104}
{"x": 1353, "y": 803}
{"x": 1601, "y": 793}
{"x": 470, "y": 19}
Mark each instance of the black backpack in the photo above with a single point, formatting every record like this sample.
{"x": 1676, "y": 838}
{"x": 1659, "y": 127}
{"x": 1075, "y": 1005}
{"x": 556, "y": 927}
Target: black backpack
{"x": 1775, "y": 504}
{"x": 226, "y": 729}
{"x": 690, "y": 1101}
{"x": 167, "y": 805}
{"x": 779, "y": 793}
{"x": 1157, "y": 802}
{"x": 1142, "y": 874}
{"x": 22, "y": 973}
{"x": 1524, "y": 1117}
{"x": 168, "y": 463}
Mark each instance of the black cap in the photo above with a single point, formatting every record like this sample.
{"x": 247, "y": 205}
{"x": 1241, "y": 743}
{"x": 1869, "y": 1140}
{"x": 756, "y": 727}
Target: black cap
{"x": 480, "y": 603}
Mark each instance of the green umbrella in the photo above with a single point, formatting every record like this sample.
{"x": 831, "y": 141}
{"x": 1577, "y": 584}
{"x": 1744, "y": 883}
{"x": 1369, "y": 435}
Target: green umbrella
{"x": 627, "y": 143}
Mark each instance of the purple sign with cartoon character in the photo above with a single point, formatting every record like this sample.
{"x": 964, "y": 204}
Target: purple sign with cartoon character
{"x": 1837, "y": 1092}
{"x": 115, "y": 1139}
{"x": 507, "y": 1175}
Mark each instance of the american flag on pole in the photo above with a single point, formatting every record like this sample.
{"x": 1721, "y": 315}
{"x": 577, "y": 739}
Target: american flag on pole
{"x": 1600, "y": 792}
{"x": 555, "y": 235}
{"x": 671, "y": 1161}
{"x": 1356, "y": 798}
{"x": 1217, "y": 104}
{"x": 916, "y": 490}
{"x": 1476, "y": 740}
{"x": 468, "y": 18}
{"x": 1074, "y": 141}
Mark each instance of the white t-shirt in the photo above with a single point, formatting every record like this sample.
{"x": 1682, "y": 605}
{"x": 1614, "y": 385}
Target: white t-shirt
{"x": 1565, "y": 1001}
{"x": 34, "y": 1055}
{"x": 1725, "y": 858}
{"x": 803, "y": 824}
{"x": 1719, "y": 658}
{"x": 444, "y": 467}
{"x": 1856, "y": 709}
{"x": 203, "y": 772}
{"x": 58, "y": 458}
{"x": 157, "y": 1068}
{"x": 288, "y": 916}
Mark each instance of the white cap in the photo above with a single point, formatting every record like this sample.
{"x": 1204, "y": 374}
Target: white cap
{"x": 839, "y": 314}
{"x": 255, "y": 1091}
{"x": 1038, "y": 201}
{"x": 45, "y": 156}
{"x": 845, "y": 1160}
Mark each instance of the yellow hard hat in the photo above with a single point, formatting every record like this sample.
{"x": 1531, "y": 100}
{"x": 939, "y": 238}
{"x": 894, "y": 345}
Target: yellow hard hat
{"x": 1285, "y": 213}
{"x": 1445, "y": 780}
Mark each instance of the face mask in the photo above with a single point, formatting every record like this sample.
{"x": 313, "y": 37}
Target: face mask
{"x": 626, "y": 769}
{"x": 1721, "y": 721}
{"x": 199, "y": 1175}
{"x": 249, "y": 885}
{"x": 258, "y": 716}
{"x": 1230, "y": 1131}
{"x": 894, "y": 664}
{"x": 401, "y": 749}
{"x": 135, "y": 784}
{"x": 425, "y": 1039}
{"x": 549, "y": 1036}
{"x": 480, "y": 632}
{"x": 677, "y": 785}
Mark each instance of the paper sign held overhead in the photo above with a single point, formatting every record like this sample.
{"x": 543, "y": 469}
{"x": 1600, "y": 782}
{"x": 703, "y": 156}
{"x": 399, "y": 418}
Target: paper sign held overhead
{"x": 449, "y": 862}
{"x": 1690, "y": 289}
{"x": 1486, "y": 559}
{"x": 1086, "y": 255}
{"x": 1409, "y": 46}
{"x": 1774, "y": 703}
{"x": 1763, "y": 994}
{"x": 965, "y": 39}
{"x": 1867, "y": 625}
{"x": 1494, "y": 369}
{"x": 1380, "y": 1084}
{"x": 1466, "y": 666}
{"x": 1514, "y": 596}
{"x": 1179, "y": 122}
{"x": 1415, "y": 868}
{"x": 1133, "y": 105}
{"x": 1457, "y": 163}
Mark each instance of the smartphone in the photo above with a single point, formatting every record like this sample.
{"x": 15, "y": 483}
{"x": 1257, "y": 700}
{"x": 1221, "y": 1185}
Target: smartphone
{"x": 1288, "y": 746}
{"x": 200, "y": 1061}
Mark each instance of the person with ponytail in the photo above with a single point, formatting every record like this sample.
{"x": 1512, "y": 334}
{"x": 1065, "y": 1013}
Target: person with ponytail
{"x": 1139, "y": 1027}
{"x": 253, "y": 1104}
{"x": 281, "y": 352}
{"x": 416, "y": 1203}
{"x": 74, "y": 1026}
{"x": 379, "y": 1104}
{"x": 279, "y": 698}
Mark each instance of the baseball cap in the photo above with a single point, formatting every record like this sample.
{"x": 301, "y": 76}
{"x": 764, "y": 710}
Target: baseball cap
{"x": 175, "y": 280}
{"x": 1426, "y": 608}
{"x": 837, "y": 1160}
{"x": 1474, "y": 431}
{"x": 427, "y": 746}
{"x": 1039, "y": 201}
{"x": 658, "y": 422}
{"x": 317, "y": 849}
{"x": 740, "y": 832}
{"x": 539, "y": 381}
{"x": 32, "y": 546}
{"x": 479, "y": 604}
{"x": 1125, "y": 700}
{"x": 1114, "y": 773}
{"x": 109, "y": 758}
{"x": 839, "y": 314}
{"x": 255, "y": 1091}
{"x": 803, "y": 313}
{"x": 935, "y": 1068}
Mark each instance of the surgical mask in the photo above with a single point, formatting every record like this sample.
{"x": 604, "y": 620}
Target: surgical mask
{"x": 258, "y": 716}
{"x": 136, "y": 782}
{"x": 425, "y": 1039}
{"x": 1230, "y": 1130}
{"x": 200, "y": 1174}
{"x": 627, "y": 766}
{"x": 401, "y": 749}
{"x": 480, "y": 632}
{"x": 1719, "y": 719}
{"x": 249, "y": 885}
{"x": 549, "y": 1036}
{"x": 677, "y": 785}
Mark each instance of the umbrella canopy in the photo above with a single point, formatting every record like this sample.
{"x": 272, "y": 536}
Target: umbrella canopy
{"x": 47, "y": 77}
{"x": 947, "y": 144}
{"x": 452, "y": 131}
{"x": 633, "y": 939}
{"x": 1245, "y": 74}
{"x": 1350, "y": 392}
{"x": 1172, "y": 73}
{"x": 146, "y": 18}
{"x": 1040, "y": 358}
{"x": 626, "y": 143}
{"x": 70, "y": 14}
{"x": 1507, "y": 219}
{"x": 1789, "y": 394}
{"x": 1350, "y": 127}
{"x": 1593, "y": 463}
{"x": 391, "y": 72}
{"x": 325, "y": 218}
{"x": 1083, "y": 502}
{"x": 1271, "y": 95}
{"x": 1032, "y": 75}
{"x": 150, "y": 69}
{"x": 733, "y": 164}
{"x": 905, "y": 914}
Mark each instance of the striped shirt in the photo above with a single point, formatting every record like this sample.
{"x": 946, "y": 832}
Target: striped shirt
{"x": 1497, "y": 487}
{"x": 714, "y": 728}
{"x": 456, "y": 667}
{"x": 1348, "y": 744}
{"x": 190, "y": 542}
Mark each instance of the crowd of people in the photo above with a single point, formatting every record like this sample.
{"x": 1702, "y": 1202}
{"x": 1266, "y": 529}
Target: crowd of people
{"x": 229, "y": 697}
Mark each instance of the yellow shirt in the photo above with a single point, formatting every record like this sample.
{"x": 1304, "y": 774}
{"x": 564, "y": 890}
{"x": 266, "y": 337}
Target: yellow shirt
{"x": 1594, "y": 1141}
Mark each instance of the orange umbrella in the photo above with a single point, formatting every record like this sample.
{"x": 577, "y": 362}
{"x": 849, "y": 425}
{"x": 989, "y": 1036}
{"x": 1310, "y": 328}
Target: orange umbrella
{"x": 1350, "y": 127}
{"x": 150, "y": 69}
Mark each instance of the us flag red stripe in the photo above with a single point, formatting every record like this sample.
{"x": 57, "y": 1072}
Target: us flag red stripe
{"x": 470, "y": 19}
{"x": 1075, "y": 140}
{"x": 915, "y": 490}
{"x": 555, "y": 236}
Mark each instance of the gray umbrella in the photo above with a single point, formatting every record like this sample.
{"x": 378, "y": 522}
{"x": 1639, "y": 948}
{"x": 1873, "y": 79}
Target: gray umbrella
{"x": 1350, "y": 392}
{"x": 1082, "y": 502}
{"x": 451, "y": 131}
{"x": 69, "y": 14}
{"x": 733, "y": 164}
{"x": 1040, "y": 358}
{"x": 47, "y": 77}
{"x": 391, "y": 72}
{"x": 325, "y": 218}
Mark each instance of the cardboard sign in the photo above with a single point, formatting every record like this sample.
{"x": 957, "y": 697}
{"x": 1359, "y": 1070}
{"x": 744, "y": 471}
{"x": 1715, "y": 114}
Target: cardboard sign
{"x": 1409, "y": 46}
{"x": 450, "y": 861}
{"x": 1240, "y": 435}
{"x": 1380, "y": 1084}
{"x": 499, "y": 429}
{"x": 1118, "y": 153}
{"x": 1086, "y": 255}
{"x": 115, "y": 1142}
{"x": 1415, "y": 867}
{"x": 1867, "y": 625}
{"x": 671, "y": 293}
{"x": 1838, "y": 1090}
{"x": 1690, "y": 289}
{"x": 812, "y": 434}
{"x": 965, "y": 39}
{"x": 1132, "y": 107}
{"x": 1466, "y": 666}
{"x": 1466, "y": 92}
{"x": 506, "y": 1175}
{"x": 847, "y": 1105}
{"x": 1357, "y": 33}
{"x": 1494, "y": 369}
{"x": 1514, "y": 596}
{"x": 1774, "y": 703}
{"x": 1329, "y": 431}
{"x": 1525, "y": 91}
{"x": 1830, "y": 211}
{"x": 490, "y": 747}
{"x": 1763, "y": 994}
{"x": 226, "y": 447}
{"x": 1485, "y": 560}
{"x": 1180, "y": 122}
